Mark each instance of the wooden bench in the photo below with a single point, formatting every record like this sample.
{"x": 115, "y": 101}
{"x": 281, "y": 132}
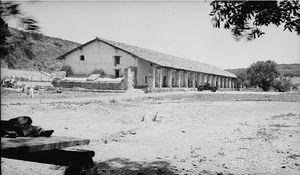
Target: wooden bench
{"x": 51, "y": 150}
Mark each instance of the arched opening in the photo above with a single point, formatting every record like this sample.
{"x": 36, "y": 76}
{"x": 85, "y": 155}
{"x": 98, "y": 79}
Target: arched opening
{"x": 164, "y": 81}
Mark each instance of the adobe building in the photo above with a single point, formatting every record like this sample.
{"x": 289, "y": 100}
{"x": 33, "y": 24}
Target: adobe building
{"x": 150, "y": 68}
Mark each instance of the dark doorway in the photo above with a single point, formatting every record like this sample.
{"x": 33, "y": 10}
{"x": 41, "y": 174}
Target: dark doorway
{"x": 165, "y": 81}
{"x": 117, "y": 73}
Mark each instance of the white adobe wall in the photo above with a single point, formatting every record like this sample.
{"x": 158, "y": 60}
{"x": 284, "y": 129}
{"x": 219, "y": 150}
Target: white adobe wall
{"x": 98, "y": 55}
{"x": 142, "y": 71}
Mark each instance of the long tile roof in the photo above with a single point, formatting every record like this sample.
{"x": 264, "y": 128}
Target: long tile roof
{"x": 162, "y": 59}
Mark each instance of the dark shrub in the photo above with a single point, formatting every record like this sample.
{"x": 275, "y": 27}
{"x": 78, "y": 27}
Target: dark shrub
{"x": 68, "y": 70}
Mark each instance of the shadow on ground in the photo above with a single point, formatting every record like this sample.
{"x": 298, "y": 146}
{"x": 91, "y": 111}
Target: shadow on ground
{"x": 120, "y": 166}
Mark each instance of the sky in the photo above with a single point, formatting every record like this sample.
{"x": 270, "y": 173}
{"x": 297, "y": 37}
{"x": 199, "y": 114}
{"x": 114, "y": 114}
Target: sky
{"x": 179, "y": 28}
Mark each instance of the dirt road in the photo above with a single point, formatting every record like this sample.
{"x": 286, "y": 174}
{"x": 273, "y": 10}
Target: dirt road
{"x": 170, "y": 132}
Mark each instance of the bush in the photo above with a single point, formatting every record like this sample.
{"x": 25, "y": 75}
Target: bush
{"x": 282, "y": 85}
{"x": 36, "y": 36}
{"x": 68, "y": 70}
{"x": 99, "y": 71}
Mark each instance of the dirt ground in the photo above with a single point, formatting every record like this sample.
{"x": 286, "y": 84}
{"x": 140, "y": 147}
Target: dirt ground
{"x": 170, "y": 132}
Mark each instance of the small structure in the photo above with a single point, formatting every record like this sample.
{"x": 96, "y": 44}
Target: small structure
{"x": 150, "y": 68}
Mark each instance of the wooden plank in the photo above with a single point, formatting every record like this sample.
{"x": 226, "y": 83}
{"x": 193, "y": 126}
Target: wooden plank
{"x": 78, "y": 161}
{"x": 33, "y": 144}
{"x": 57, "y": 157}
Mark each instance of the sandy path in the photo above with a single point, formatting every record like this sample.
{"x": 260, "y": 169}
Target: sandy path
{"x": 190, "y": 136}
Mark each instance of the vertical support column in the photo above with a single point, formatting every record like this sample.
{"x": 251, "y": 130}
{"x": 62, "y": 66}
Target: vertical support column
{"x": 199, "y": 79}
{"x": 156, "y": 78}
{"x": 129, "y": 76}
{"x": 193, "y": 79}
{"x": 151, "y": 77}
{"x": 210, "y": 79}
{"x": 229, "y": 82}
{"x": 219, "y": 82}
{"x": 178, "y": 79}
{"x": 204, "y": 78}
{"x": 186, "y": 79}
{"x": 174, "y": 77}
{"x": 169, "y": 78}
{"x": 213, "y": 80}
{"x": 233, "y": 84}
{"x": 160, "y": 79}
{"x": 196, "y": 79}
{"x": 223, "y": 82}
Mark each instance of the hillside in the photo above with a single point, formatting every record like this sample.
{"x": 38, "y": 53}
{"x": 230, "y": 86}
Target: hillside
{"x": 34, "y": 51}
{"x": 287, "y": 70}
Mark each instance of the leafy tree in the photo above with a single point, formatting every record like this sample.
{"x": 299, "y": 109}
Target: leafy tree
{"x": 262, "y": 74}
{"x": 8, "y": 10}
{"x": 282, "y": 84}
{"x": 242, "y": 79}
{"x": 245, "y": 18}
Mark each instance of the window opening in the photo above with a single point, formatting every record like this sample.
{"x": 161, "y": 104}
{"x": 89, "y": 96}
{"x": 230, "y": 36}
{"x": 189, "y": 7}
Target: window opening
{"x": 81, "y": 57}
{"x": 117, "y": 60}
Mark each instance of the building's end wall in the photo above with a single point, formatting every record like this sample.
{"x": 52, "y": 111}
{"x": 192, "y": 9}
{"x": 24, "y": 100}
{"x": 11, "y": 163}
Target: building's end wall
{"x": 99, "y": 56}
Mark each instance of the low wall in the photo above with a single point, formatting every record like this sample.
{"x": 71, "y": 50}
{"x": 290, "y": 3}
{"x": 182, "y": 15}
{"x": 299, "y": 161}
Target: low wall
{"x": 125, "y": 83}
{"x": 90, "y": 85}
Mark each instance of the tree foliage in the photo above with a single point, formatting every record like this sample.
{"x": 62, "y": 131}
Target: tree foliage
{"x": 262, "y": 74}
{"x": 8, "y": 10}
{"x": 242, "y": 78}
{"x": 245, "y": 18}
{"x": 282, "y": 84}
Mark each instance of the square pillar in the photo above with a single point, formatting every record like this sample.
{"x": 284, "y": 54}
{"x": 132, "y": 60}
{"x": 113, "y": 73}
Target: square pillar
{"x": 129, "y": 79}
{"x": 213, "y": 80}
{"x": 178, "y": 81}
{"x": 222, "y": 82}
{"x": 186, "y": 79}
{"x": 196, "y": 79}
{"x": 199, "y": 79}
{"x": 218, "y": 82}
{"x": 169, "y": 78}
{"x": 151, "y": 77}
{"x": 204, "y": 78}
{"x": 193, "y": 79}
{"x": 226, "y": 83}
{"x": 160, "y": 77}
{"x": 209, "y": 79}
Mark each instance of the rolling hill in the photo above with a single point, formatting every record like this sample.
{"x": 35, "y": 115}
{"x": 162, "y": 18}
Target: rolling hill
{"x": 287, "y": 70}
{"x": 35, "y": 51}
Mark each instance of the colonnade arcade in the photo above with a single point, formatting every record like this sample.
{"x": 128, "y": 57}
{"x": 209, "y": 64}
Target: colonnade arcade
{"x": 164, "y": 77}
